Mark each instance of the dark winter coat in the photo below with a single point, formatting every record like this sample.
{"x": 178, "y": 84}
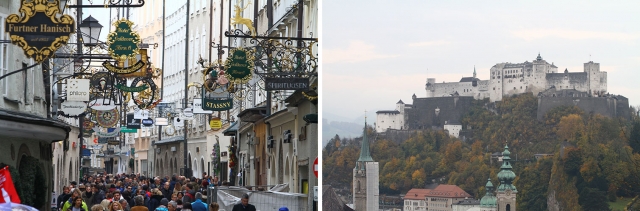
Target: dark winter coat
{"x": 154, "y": 202}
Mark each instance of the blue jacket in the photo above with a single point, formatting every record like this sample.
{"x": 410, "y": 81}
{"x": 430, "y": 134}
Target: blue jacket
{"x": 198, "y": 205}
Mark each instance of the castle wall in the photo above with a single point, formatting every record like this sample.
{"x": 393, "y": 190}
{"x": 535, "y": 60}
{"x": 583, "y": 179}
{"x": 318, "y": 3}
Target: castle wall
{"x": 576, "y": 80}
{"x": 612, "y": 106}
{"x": 386, "y": 121}
{"x": 422, "y": 115}
{"x": 447, "y": 89}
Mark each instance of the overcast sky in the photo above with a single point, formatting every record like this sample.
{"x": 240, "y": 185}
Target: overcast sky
{"x": 376, "y": 52}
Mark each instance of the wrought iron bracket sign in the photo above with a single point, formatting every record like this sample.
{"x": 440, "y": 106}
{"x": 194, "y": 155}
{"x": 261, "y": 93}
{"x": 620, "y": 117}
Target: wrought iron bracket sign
{"x": 286, "y": 84}
{"x": 239, "y": 65}
{"x": 38, "y": 30}
{"x": 123, "y": 42}
{"x": 112, "y": 3}
{"x": 123, "y": 70}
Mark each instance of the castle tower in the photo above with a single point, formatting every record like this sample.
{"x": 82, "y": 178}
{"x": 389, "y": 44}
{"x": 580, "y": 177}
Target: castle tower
{"x": 430, "y": 87}
{"x": 507, "y": 192}
{"x": 365, "y": 178}
{"x": 489, "y": 201}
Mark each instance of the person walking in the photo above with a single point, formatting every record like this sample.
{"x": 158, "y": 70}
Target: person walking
{"x": 163, "y": 205}
{"x": 139, "y": 200}
{"x": 244, "y": 204}
{"x": 198, "y": 205}
{"x": 156, "y": 197}
{"x": 78, "y": 205}
{"x": 62, "y": 198}
{"x": 214, "y": 206}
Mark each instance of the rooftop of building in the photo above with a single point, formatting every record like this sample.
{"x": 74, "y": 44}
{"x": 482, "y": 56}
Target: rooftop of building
{"x": 388, "y": 112}
{"x": 441, "y": 191}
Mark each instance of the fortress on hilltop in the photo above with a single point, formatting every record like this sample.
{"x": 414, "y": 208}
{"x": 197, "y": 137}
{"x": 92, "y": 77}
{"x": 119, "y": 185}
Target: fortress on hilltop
{"x": 446, "y": 102}
{"x": 536, "y": 76}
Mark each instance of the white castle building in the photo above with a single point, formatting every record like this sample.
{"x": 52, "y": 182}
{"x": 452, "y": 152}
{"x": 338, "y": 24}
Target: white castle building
{"x": 506, "y": 79}
{"x": 536, "y": 76}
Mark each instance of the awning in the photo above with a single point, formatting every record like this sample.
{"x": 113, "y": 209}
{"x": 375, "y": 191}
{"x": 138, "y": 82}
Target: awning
{"x": 232, "y": 130}
{"x": 253, "y": 114}
{"x": 24, "y": 125}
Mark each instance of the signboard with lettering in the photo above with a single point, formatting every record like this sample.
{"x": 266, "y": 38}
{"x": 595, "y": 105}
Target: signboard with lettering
{"x": 215, "y": 123}
{"x": 217, "y": 105}
{"x": 111, "y": 132}
{"x": 286, "y": 84}
{"x": 41, "y": 29}
{"x": 197, "y": 107}
{"x": 147, "y": 122}
{"x": 123, "y": 42}
{"x": 78, "y": 89}
{"x": 132, "y": 123}
{"x": 73, "y": 108}
{"x": 239, "y": 65}
{"x": 128, "y": 130}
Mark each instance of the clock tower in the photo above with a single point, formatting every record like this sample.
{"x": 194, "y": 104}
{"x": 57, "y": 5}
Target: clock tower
{"x": 365, "y": 178}
{"x": 506, "y": 192}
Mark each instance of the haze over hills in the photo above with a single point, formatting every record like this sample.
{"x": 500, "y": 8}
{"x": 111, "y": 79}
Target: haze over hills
{"x": 344, "y": 127}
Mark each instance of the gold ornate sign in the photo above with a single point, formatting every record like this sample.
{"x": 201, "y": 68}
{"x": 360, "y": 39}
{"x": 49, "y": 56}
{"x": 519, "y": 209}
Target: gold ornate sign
{"x": 123, "y": 42}
{"x": 38, "y": 30}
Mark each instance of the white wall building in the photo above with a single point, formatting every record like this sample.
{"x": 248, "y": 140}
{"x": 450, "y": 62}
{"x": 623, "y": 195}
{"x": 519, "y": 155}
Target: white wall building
{"x": 391, "y": 119}
{"x": 535, "y": 76}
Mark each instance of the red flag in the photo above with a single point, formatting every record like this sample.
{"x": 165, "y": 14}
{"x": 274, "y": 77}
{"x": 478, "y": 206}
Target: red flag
{"x": 9, "y": 193}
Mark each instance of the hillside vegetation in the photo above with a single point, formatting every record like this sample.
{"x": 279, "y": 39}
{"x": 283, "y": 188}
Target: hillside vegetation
{"x": 595, "y": 159}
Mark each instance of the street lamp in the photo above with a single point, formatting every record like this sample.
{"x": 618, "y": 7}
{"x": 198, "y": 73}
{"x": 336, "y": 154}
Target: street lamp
{"x": 90, "y": 30}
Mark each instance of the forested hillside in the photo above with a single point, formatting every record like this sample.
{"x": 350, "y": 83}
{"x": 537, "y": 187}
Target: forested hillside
{"x": 595, "y": 159}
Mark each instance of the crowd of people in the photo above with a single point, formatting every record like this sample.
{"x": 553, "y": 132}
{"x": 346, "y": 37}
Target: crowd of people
{"x": 133, "y": 192}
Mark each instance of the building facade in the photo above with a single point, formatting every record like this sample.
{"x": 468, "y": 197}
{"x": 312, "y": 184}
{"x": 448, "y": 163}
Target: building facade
{"x": 391, "y": 119}
{"x": 440, "y": 198}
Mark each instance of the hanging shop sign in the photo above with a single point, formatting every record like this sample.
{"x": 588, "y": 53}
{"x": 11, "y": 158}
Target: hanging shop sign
{"x": 220, "y": 92}
{"x": 123, "y": 70}
{"x": 286, "y": 84}
{"x": 88, "y": 125}
{"x": 73, "y": 108}
{"x": 215, "y": 123}
{"x": 108, "y": 118}
{"x": 102, "y": 81}
{"x": 128, "y": 130}
{"x": 197, "y": 107}
{"x": 102, "y": 104}
{"x": 132, "y": 123}
{"x": 239, "y": 65}
{"x": 123, "y": 42}
{"x": 148, "y": 98}
{"x": 113, "y": 142}
{"x": 78, "y": 89}
{"x": 140, "y": 114}
{"x": 40, "y": 29}
{"x": 217, "y": 105}
{"x": 147, "y": 122}
{"x": 111, "y": 132}
{"x": 161, "y": 121}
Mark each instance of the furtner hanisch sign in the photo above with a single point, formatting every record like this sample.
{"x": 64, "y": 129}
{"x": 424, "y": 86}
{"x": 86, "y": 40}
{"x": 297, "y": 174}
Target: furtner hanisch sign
{"x": 40, "y": 29}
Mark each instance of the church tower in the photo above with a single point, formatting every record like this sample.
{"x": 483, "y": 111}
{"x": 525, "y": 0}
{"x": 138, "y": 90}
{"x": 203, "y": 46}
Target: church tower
{"x": 488, "y": 201}
{"x": 365, "y": 178}
{"x": 506, "y": 192}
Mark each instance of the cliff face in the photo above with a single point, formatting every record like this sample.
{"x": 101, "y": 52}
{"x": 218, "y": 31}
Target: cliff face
{"x": 562, "y": 193}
